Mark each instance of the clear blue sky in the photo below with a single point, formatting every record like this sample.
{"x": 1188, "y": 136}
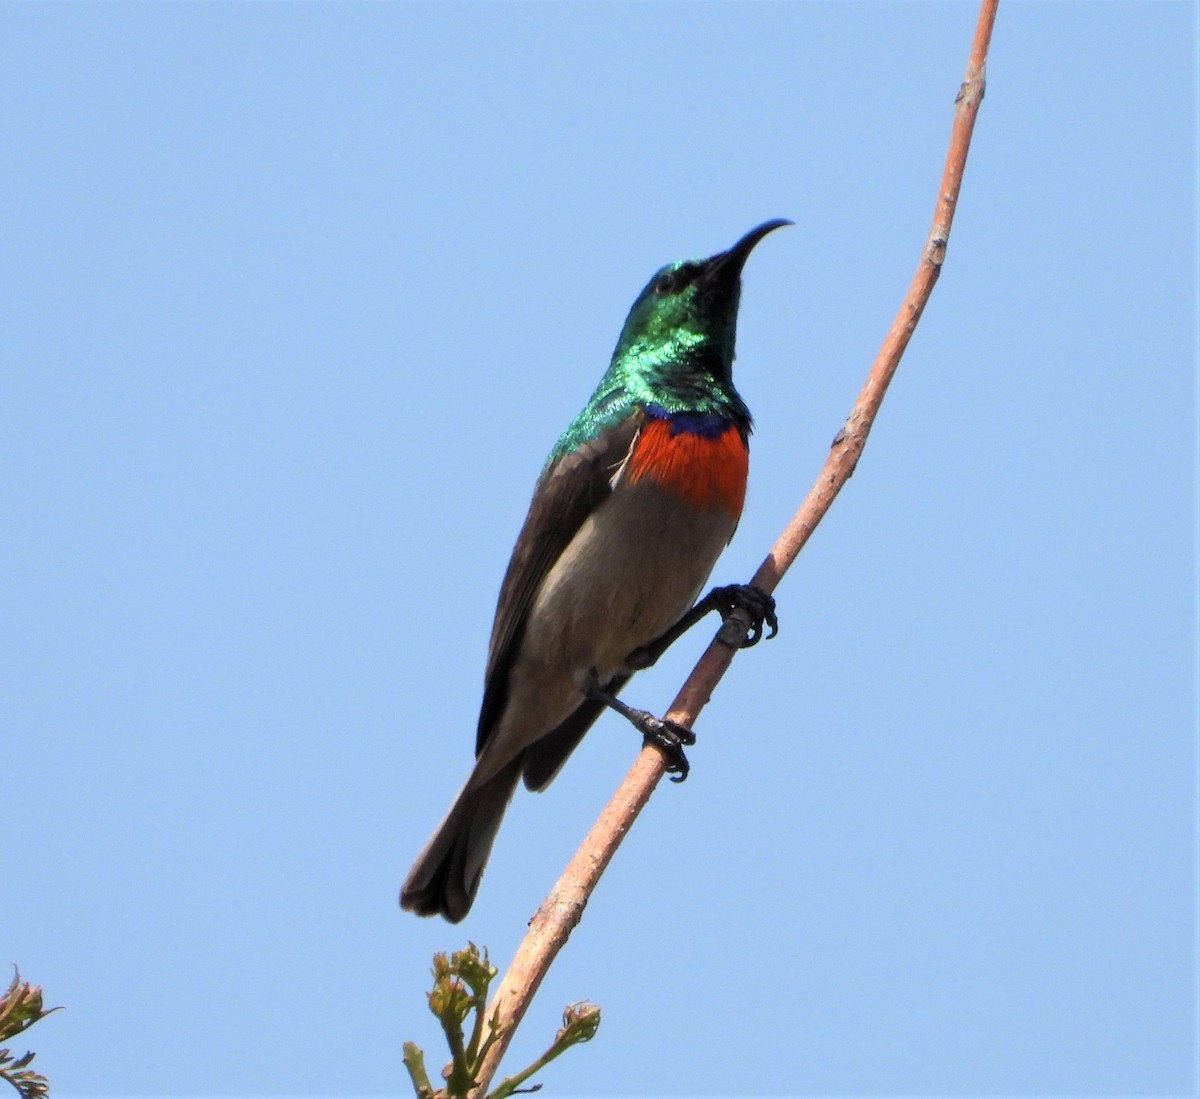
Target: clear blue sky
{"x": 296, "y": 300}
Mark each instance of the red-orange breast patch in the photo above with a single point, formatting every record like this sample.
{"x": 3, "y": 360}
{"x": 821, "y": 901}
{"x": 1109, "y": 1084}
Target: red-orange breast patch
{"x": 704, "y": 462}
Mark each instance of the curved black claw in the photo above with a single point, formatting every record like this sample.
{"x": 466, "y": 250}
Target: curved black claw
{"x": 753, "y": 603}
{"x": 671, "y": 737}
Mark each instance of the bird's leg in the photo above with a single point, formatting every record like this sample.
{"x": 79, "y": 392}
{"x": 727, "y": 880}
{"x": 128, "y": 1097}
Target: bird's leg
{"x": 669, "y": 736}
{"x": 744, "y": 610}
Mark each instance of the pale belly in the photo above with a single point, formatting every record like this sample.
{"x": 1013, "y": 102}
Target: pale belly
{"x": 635, "y": 567}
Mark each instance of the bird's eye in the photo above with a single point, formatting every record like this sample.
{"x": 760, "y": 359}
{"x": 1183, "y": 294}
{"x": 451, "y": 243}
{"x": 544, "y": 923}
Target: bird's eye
{"x": 677, "y": 279}
{"x": 666, "y": 283}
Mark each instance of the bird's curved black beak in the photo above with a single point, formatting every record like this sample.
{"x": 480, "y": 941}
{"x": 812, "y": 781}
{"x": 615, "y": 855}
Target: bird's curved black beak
{"x": 729, "y": 263}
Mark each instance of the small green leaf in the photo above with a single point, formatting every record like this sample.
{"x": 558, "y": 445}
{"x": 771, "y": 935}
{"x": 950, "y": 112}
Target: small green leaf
{"x": 20, "y": 1008}
{"x": 580, "y": 1023}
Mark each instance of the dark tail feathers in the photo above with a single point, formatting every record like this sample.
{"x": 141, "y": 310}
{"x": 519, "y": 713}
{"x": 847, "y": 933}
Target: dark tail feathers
{"x": 446, "y": 875}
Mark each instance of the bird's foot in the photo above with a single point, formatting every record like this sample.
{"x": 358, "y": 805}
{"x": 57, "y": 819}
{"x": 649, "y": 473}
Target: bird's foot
{"x": 745, "y": 610}
{"x": 670, "y": 738}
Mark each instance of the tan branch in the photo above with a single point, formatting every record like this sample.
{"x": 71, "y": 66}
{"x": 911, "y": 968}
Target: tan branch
{"x": 562, "y": 909}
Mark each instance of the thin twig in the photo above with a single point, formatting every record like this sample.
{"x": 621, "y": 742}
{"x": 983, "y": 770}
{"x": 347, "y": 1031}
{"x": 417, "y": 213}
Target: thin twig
{"x": 558, "y": 914}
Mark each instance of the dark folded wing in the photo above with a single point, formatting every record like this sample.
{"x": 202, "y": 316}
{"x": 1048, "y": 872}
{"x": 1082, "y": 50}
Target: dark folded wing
{"x": 568, "y": 491}
{"x": 544, "y": 758}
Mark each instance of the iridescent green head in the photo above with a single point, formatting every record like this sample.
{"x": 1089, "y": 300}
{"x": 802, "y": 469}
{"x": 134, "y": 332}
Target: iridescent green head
{"x": 686, "y": 317}
{"x": 675, "y": 353}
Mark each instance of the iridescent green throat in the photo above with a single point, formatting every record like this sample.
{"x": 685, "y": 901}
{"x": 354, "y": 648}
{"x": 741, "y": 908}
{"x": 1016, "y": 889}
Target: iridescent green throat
{"x": 675, "y": 351}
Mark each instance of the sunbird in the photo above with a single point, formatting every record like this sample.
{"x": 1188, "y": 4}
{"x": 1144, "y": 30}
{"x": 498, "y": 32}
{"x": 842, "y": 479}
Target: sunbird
{"x": 636, "y": 502}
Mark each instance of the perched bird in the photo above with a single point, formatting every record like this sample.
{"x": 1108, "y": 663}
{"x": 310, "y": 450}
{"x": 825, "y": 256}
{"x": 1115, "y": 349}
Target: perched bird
{"x": 637, "y": 500}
